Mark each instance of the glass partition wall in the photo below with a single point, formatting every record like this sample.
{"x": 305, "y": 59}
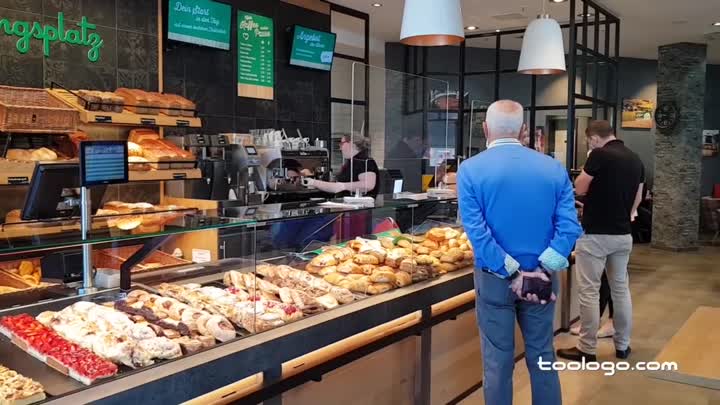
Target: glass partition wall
{"x": 410, "y": 138}
{"x": 484, "y": 69}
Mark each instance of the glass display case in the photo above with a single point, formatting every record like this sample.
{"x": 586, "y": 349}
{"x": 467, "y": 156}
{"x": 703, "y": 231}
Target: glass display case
{"x": 264, "y": 285}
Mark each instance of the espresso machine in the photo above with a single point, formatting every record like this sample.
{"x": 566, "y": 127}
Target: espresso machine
{"x": 246, "y": 183}
{"x": 213, "y": 153}
{"x": 282, "y": 169}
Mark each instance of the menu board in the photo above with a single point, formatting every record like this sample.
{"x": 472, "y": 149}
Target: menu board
{"x": 200, "y": 22}
{"x": 313, "y": 49}
{"x": 255, "y": 56}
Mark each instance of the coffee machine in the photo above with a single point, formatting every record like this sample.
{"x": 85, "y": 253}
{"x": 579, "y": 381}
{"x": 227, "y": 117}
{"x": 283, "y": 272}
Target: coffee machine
{"x": 246, "y": 183}
{"x": 213, "y": 153}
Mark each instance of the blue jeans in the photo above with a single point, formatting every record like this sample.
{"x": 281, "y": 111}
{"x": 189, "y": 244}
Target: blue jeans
{"x": 497, "y": 308}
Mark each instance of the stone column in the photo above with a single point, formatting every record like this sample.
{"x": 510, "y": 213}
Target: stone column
{"x": 678, "y": 152}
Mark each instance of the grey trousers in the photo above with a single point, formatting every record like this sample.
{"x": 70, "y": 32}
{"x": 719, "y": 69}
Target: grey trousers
{"x": 594, "y": 254}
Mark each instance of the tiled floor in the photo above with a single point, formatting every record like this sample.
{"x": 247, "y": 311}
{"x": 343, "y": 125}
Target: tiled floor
{"x": 666, "y": 288}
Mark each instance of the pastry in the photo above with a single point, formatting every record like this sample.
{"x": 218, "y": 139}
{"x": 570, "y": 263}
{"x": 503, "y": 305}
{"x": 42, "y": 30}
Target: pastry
{"x": 43, "y": 154}
{"x": 360, "y": 285}
{"x": 402, "y": 279}
{"x": 365, "y": 259}
{"x": 425, "y": 260}
{"x": 379, "y": 288}
{"x": 387, "y": 243}
{"x": 220, "y": 328}
{"x": 436, "y": 253}
{"x": 19, "y": 154}
{"x": 395, "y": 257}
{"x": 383, "y": 277}
{"x": 324, "y": 260}
{"x": 349, "y": 267}
{"x": 467, "y": 255}
{"x": 435, "y": 234}
{"x": 334, "y": 278}
{"x": 327, "y": 270}
{"x": 444, "y": 267}
{"x": 404, "y": 243}
{"x": 422, "y": 250}
{"x": 431, "y": 244}
{"x": 453, "y": 243}
{"x": 451, "y": 233}
{"x": 355, "y": 244}
{"x": 328, "y": 301}
{"x": 368, "y": 269}
{"x": 129, "y": 223}
{"x": 408, "y": 265}
{"x": 456, "y": 253}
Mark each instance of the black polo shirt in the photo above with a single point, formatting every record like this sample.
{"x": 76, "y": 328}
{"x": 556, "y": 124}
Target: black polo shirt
{"x": 361, "y": 163}
{"x": 617, "y": 172}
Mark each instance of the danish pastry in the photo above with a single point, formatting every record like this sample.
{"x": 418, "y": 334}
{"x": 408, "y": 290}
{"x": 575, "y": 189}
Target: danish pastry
{"x": 436, "y": 234}
{"x": 327, "y": 270}
{"x": 378, "y": 288}
{"x": 349, "y": 267}
{"x": 431, "y": 244}
{"x": 324, "y": 260}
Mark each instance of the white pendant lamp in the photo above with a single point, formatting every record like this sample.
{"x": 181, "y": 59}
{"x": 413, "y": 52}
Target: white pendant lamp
{"x": 432, "y": 23}
{"x": 542, "y": 52}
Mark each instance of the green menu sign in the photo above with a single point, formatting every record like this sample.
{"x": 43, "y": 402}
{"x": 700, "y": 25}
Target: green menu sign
{"x": 255, "y": 56}
{"x": 200, "y": 22}
{"x": 312, "y": 48}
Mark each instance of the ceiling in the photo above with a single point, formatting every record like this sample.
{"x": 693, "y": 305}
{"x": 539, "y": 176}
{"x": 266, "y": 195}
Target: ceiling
{"x": 645, "y": 24}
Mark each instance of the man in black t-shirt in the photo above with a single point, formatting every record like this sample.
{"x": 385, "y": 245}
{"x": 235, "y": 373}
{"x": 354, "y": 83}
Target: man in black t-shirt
{"x": 612, "y": 181}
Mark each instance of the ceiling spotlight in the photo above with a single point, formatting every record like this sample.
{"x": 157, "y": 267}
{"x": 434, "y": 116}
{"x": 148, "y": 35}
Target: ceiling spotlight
{"x": 716, "y": 24}
{"x": 497, "y": 30}
{"x": 377, "y": 4}
{"x": 558, "y": 1}
{"x": 471, "y": 28}
{"x": 588, "y": 15}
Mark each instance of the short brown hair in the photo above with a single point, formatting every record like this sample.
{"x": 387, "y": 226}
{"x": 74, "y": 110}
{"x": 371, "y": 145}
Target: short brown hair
{"x": 601, "y": 128}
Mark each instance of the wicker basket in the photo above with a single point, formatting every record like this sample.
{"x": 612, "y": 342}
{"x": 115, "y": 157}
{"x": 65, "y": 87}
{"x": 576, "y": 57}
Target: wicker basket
{"x": 32, "y": 110}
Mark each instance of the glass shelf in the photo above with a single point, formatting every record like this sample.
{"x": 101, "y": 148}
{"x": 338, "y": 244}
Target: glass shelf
{"x": 24, "y": 237}
{"x": 299, "y": 210}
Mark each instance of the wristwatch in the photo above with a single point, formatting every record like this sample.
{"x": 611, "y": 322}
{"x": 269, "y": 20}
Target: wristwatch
{"x": 513, "y": 276}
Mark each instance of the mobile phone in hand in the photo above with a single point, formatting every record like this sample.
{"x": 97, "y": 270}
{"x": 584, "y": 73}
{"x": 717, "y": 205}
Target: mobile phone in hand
{"x": 537, "y": 286}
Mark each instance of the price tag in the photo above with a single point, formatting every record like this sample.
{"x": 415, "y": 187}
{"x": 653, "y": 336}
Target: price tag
{"x": 201, "y": 256}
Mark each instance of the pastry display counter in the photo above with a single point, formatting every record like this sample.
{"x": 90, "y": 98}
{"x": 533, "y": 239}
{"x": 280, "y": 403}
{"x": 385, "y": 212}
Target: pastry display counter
{"x": 242, "y": 317}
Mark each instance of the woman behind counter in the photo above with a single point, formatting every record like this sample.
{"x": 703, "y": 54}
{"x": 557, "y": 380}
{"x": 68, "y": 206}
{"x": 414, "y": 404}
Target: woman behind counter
{"x": 359, "y": 172}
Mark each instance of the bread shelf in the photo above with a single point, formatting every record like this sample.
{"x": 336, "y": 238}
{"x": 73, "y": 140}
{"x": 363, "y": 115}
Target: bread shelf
{"x": 126, "y": 117}
{"x": 14, "y": 172}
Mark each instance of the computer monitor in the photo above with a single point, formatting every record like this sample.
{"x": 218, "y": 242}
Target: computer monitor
{"x": 52, "y": 189}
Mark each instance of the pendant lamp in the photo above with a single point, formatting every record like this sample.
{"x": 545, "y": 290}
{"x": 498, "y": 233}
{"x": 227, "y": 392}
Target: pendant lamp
{"x": 432, "y": 23}
{"x": 542, "y": 52}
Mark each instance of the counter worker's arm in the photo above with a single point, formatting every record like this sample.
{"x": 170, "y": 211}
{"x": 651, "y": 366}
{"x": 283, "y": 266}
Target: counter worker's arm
{"x": 567, "y": 229}
{"x": 366, "y": 182}
{"x": 493, "y": 257}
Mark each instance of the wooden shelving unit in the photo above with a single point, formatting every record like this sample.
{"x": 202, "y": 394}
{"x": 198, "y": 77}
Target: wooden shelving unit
{"x": 124, "y": 118}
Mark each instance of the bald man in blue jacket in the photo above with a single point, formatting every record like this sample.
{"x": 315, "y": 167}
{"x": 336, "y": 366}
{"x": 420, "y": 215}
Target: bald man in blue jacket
{"x": 518, "y": 209}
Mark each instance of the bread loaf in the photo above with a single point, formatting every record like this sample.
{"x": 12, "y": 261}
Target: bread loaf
{"x": 187, "y": 107}
{"x": 43, "y": 154}
{"x": 19, "y": 154}
{"x": 136, "y": 101}
{"x": 139, "y": 135}
{"x": 13, "y": 216}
